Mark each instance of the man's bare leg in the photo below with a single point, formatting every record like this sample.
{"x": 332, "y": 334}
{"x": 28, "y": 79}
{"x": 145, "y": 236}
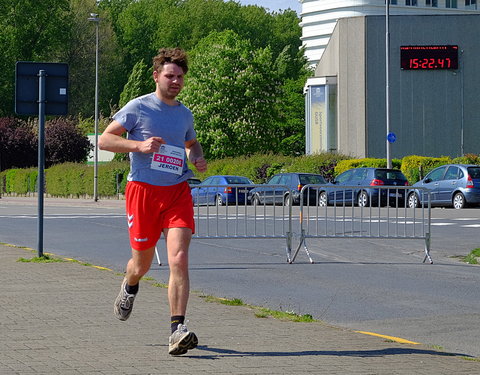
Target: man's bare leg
{"x": 178, "y": 242}
{"x": 137, "y": 266}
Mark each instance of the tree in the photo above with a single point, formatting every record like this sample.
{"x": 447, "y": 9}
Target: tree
{"x": 29, "y": 31}
{"x": 233, "y": 93}
{"x": 79, "y": 54}
{"x": 18, "y": 144}
{"x": 292, "y": 108}
{"x": 64, "y": 142}
{"x": 140, "y": 82}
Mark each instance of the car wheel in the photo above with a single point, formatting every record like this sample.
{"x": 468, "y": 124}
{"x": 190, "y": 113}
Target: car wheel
{"x": 362, "y": 199}
{"x": 458, "y": 201}
{"x": 219, "y": 200}
{"x": 287, "y": 201}
{"x": 256, "y": 200}
{"x": 322, "y": 199}
{"x": 413, "y": 201}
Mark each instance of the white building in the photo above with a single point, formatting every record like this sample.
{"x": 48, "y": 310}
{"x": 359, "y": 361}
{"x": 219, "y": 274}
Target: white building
{"x": 319, "y": 17}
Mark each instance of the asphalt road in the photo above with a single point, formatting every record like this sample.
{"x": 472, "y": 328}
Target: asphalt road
{"x": 376, "y": 285}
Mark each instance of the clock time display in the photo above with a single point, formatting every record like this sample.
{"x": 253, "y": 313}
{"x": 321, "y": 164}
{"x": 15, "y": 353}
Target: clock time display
{"x": 429, "y": 57}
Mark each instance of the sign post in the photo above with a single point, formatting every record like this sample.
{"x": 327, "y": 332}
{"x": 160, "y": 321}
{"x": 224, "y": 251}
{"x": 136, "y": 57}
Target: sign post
{"x": 41, "y": 89}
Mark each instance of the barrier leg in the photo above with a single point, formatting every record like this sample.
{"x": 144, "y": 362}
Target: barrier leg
{"x": 289, "y": 247}
{"x": 304, "y": 243}
{"x": 427, "y": 249}
{"x": 158, "y": 257}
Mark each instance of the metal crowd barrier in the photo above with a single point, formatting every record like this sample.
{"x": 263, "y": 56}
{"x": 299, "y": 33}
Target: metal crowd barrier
{"x": 343, "y": 216}
{"x": 241, "y": 217}
{"x": 238, "y": 217}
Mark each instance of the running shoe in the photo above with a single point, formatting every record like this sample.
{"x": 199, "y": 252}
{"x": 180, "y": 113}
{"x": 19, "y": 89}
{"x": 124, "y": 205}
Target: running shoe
{"x": 124, "y": 303}
{"x": 181, "y": 341}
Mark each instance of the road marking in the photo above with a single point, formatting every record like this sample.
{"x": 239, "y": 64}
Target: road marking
{"x": 442, "y": 224}
{"x": 393, "y": 338}
{"x": 62, "y": 216}
{"x": 471, "y": 226}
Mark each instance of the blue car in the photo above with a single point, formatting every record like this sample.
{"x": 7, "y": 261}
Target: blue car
{"x": 456, "y": 185}
{"x": 222, "y": 190}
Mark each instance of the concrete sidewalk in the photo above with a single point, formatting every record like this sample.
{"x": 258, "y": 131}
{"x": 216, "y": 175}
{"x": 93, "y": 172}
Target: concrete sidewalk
{"x": 57, "y": 318}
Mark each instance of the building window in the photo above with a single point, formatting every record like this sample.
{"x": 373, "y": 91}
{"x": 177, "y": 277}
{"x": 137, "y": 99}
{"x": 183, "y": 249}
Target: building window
{"x": 412, "y": 3}
{"x": 434, "y": 3}
{"x": 451, "y": 3}
{"x": 472, "y": 4}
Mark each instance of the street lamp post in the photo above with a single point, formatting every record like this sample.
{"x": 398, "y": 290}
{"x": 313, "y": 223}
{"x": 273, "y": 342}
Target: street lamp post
{"x": 94, "y": 18}
{"x": 387, "y": 79}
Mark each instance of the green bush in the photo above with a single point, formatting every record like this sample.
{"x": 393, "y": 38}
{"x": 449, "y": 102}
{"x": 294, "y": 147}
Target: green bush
{"x": 9, "y": 180}
{"x": 112, "y": 178}
{"x": 323, "y": 164}
{"x": 345, "y": 165}
{"x": 467, "y": 159}
{"x": 257, "y": 167}
{"x": 416, "y": 167}
{"x": 19, "y": 181}
{"x": 76, "y": 180}
{"x": 260, "y": 167}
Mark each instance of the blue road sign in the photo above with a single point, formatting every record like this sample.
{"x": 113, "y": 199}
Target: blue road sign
{"x": 391, "y": 137}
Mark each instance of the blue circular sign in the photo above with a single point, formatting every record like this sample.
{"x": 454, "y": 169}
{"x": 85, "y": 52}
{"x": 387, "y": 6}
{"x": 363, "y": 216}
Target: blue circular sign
{"x": 391, "y": 137}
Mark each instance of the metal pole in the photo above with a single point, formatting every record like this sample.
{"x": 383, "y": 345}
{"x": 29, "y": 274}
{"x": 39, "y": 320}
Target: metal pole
{"x": 41, "y": 157}
{"x": 94, "y": 18}
{"x": 95, "y": 167}
{"x": 462, "y": 93}
{"x": 387, "y": 79}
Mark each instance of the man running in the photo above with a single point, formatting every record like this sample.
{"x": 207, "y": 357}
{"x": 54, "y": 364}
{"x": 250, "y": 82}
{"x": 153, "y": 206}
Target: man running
{"x": 160, "y": 138}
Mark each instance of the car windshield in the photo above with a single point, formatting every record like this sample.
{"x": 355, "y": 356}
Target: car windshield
{"x": 238, "y": 180}
{"x": 474, "y": 172}
{"x": 306, "y": 179}
{"x": 389, "y": 174}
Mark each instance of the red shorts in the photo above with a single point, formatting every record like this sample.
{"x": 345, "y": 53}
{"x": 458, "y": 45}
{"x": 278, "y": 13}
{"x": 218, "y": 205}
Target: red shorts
{"x": 150, "y": 209}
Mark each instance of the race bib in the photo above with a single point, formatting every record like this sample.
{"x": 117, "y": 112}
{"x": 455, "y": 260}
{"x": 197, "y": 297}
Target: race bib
{"x": 169, "y": 159}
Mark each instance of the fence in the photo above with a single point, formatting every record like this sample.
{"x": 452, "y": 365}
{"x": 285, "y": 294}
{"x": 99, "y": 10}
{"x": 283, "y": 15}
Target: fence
{"x": 364, "y": 212}
{"x": 325, "y": 211}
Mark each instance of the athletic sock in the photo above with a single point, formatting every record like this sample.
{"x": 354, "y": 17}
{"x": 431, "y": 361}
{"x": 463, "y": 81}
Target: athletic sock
{"x": 131, "y": 289}
{"x": 175, "y": 321}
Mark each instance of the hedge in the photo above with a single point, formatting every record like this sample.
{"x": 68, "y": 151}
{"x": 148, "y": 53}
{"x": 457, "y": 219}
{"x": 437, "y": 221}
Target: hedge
{"x": 71, "y": 180}
{"x": 76, "y": 180}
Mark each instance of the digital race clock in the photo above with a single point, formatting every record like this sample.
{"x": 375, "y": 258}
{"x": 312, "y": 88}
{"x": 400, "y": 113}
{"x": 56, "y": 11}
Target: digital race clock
{"x": 429, "y": 57}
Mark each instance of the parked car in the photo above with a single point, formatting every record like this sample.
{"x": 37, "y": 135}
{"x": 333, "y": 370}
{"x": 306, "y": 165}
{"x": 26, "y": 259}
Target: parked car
{"x": 278, "y": 195}
{"x": 221, "y": 193}
{"x": 456, "y": 185}
{"x": 365, "y": 194}
{"x": 194, "y": 181}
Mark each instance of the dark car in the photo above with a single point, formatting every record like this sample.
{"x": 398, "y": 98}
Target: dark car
{"x": 269, "y": 194}
{"x": 193, "y": 181}
{"x": 217, "y": 190}
{"x": 456, "y": 185}
{"x": 363, "y": 192}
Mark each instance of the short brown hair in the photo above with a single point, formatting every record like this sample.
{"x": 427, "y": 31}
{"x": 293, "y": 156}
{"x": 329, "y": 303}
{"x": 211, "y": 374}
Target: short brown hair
{"x": 170, "y": 55}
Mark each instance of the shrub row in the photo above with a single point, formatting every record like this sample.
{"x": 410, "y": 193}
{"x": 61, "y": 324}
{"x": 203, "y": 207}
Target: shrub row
{"x": 76, "y": 180}
{"x": 71, "y": 180}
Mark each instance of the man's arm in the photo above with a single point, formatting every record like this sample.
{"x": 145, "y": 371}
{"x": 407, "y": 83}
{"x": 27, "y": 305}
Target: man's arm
{"x": 112, "y": 140}
{"x": 195, "y": 155}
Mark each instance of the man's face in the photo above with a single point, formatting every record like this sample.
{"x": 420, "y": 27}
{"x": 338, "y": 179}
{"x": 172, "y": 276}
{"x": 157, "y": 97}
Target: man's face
{"x": 169, "y": 81}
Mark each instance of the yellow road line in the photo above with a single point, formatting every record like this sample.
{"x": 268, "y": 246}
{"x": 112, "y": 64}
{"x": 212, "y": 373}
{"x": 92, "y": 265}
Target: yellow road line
{"x": 393, "y": 338}
{"x": 101, "y": 268}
